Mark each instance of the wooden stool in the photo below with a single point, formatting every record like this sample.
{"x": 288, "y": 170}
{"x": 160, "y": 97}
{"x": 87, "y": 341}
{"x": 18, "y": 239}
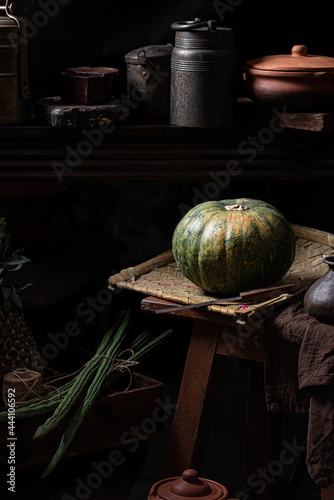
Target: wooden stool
{"x": 215, "y": 336}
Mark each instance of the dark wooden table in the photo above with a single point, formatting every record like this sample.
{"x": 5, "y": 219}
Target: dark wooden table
{"x": 214, "y": 337}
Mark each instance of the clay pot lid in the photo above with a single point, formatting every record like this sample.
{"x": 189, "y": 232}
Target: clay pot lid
{"x": 298, "y": 60}
{"x": 186, "y": 487}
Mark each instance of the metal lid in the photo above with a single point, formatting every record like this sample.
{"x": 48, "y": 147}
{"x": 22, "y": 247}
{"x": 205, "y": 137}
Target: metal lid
{"x": 199, "y": 34}
{"x": 298, "y": 60}
{"x": 98, "y": 72}
{"x": 154, "y": 53}
{"x": 188, "y": 486}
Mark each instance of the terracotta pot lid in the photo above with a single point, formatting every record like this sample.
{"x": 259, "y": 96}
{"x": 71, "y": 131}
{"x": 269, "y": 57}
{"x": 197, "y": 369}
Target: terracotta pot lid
{"x": 186, "y": 487}
{"x": 298, "y": 60}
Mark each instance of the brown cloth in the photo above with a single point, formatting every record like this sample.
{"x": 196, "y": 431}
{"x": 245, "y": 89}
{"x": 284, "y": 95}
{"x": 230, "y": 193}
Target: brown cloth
{"x": 299, "y": 377}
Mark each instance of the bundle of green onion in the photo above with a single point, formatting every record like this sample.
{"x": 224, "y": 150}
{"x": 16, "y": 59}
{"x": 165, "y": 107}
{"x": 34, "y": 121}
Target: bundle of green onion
{"x": 94, "y": 377}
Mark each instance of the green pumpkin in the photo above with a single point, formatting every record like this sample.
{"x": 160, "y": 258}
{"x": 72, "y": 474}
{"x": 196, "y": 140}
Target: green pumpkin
{"x": 231, "y": 246}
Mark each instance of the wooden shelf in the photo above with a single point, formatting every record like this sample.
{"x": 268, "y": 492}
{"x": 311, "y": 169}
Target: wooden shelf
{"x": 158, "y": 151}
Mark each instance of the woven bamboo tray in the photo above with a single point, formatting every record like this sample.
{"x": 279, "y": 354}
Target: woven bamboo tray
{"x": 160, "y": 277}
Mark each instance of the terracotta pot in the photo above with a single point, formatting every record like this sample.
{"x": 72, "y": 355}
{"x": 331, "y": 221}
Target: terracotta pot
{"x": 188, "y": 486}
{"x": 319, "y": 298}
{"x": 299, "y": 81}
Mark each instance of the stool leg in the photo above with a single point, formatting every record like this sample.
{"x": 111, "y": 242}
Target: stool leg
{"x": 327, "y": 494}
{"x": 262, "y": 437}
{"x": 196, "y": 401}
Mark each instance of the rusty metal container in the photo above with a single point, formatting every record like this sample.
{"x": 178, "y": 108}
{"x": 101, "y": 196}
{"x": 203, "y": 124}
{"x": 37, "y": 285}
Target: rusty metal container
{"x": 87, "y": 85}
{"x": 203, "y": 75}
{"x": 148, "y": 80}
{"x": 14, "y": 88}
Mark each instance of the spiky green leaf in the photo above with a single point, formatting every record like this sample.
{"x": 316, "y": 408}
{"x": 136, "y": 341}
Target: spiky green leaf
{"x": 9, "y": 263}
{"x": 3, "y": 251}
{"x": 2, "y": 227}
{"x": 15, "y": 298}
{"x": 25, "y": 286}
{"x": 15, "y": 260}
{"x": 6, "y": 291}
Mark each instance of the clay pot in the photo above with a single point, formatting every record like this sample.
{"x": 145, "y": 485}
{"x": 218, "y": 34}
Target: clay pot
{"x": 299, "y": 81}
{"x": 319, "y": 298}
{"x": 188, "y": 486}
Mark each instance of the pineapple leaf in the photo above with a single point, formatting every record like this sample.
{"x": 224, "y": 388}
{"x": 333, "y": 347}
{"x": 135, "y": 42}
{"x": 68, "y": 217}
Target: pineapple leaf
{"x": 2, "y": 227}
{"x": 17, "y": 260}
{"x": 5, "y": 246}
{"x": 25, "y": 286}
{"x": 5, "y": 280}
{"x": 15, "y": 298}
{"x": 9, "y": 292}
{"x": 19, "y": 250}
{"x": 11, "y": 269}
{"x": 6, "y": 306}
{"x": 6, "y": 292}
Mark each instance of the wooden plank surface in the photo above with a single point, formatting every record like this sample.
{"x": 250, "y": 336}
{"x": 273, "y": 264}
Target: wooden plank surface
{"x": 250, "y": 112}
{"x": 242, "y": 342}
{"x": 245, "y": 341}
{"x": 158, "y": 151}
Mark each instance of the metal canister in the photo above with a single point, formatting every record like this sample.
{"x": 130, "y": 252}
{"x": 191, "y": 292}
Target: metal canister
{"x": 14, "y": 88}
{"x": 148, "y": 80}
{"x": 203, "y": 75}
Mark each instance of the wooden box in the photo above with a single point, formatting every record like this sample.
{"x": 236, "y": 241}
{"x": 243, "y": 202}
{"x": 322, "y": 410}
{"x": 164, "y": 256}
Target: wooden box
{"x": 111, "y": 421}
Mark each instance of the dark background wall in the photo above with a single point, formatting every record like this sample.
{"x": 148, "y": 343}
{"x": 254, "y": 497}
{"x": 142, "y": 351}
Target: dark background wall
{"x": 79, "y": 32}
{"x": 69, "y": 33}
{"x": 100, "y": 33}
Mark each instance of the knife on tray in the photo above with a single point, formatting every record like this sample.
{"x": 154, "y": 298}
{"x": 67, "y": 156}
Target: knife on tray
{"x": 248, "y": 296}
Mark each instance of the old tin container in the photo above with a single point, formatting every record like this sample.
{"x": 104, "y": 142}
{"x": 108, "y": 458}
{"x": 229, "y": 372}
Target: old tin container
{"x": 14, "y": 89}
{"x": 87, "y": 85}
{"x": 203, "y": 75}
{"x": 148, "y": 80}
{"x": 188, "y": 486}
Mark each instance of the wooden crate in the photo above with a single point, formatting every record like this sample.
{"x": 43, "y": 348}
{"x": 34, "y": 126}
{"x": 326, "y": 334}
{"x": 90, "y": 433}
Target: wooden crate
{"x": 109, "y": 418}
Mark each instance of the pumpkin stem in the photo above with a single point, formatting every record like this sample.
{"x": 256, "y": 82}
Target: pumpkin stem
{"x": 238, "y": 207}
